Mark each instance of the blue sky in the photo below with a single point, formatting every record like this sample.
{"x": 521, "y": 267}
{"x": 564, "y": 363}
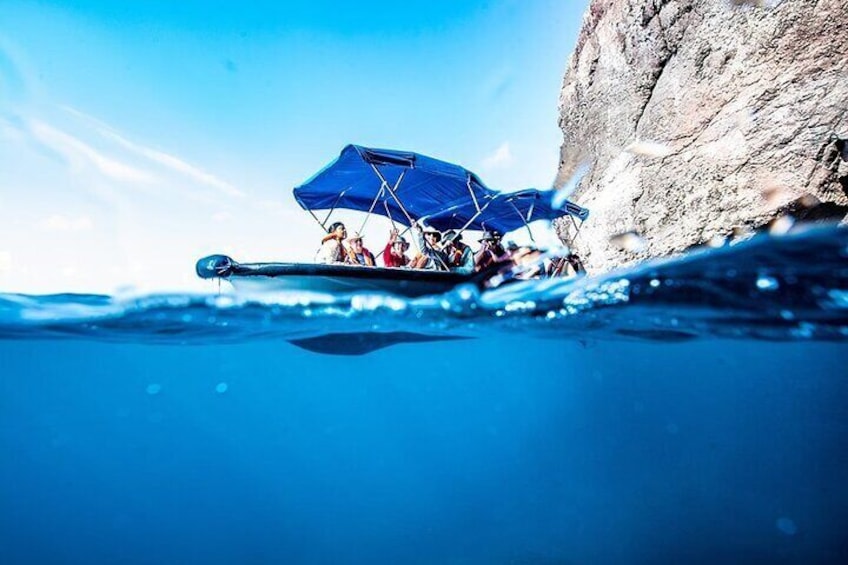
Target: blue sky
{"x": 136, "y": 137}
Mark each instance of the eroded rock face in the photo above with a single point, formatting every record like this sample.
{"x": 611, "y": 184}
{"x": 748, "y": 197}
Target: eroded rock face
{"x": 695, "y": 117}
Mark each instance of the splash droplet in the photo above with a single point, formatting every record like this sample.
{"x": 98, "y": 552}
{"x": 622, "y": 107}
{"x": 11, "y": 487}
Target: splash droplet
{"x": 153, "y": 389}
{"x": 767, "y": 283}
{"x": 221, "y": 388}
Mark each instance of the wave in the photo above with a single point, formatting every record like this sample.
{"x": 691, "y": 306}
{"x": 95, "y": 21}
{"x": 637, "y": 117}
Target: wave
{"x": 791, "y": 287}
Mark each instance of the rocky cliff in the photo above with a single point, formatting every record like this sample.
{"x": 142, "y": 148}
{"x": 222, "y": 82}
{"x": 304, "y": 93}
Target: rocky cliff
{"x": 692, "y": 119}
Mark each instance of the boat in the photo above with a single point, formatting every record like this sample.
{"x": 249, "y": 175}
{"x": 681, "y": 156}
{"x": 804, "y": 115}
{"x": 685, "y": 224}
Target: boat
{"x": 331, "y": 280}
{"x": 408, "y": 189}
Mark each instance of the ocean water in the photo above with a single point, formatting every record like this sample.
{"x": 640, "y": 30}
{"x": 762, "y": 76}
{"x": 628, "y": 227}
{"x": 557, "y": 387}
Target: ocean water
{"x": 686, "y": 411}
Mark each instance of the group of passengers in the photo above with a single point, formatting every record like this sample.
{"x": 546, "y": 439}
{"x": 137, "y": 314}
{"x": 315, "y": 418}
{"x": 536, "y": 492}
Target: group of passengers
{"x": 441, "y": 252}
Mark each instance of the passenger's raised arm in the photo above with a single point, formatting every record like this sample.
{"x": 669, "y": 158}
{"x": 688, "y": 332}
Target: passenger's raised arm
{"x": 394, "y": 254}
{"x": 429, "y": 256}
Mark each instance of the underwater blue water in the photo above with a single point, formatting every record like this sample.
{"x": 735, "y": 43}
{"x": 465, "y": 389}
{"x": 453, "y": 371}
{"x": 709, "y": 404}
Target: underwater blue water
{"x": 689, "y": 411}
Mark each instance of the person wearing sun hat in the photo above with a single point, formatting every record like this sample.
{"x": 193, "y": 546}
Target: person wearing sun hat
{"x": 460, "y": 257}
{"x": 429, "y": 256}
{"x": 357, "y": 254}
{"x": 491, "y": 251}
{"x": 394, "y": 254}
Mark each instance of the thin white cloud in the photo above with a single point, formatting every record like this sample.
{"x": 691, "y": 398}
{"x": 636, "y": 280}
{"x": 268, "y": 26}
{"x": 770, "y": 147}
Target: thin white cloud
{"x": 169, "y": 161}
{"x": 79, "y": 153}
{"x": 60, "y": 223}
{"x": 500, "y": 158}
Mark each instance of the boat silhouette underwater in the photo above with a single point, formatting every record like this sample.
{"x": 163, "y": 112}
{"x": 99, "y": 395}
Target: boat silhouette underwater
{"x": 407, "y": 188}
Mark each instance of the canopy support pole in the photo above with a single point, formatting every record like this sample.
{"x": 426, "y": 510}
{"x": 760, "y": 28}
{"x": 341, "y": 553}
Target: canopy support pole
{"x": 311, "y": 213}
{"x": 330, "y": 213}
{"x": 474, "y": 217}
{"x": 389, "y": 214}
{"x": 530, "y": 211}
{"x": 576, "y": 227}
{"x": 471, "y": 191}
{"x": 520, "y": 215}
{"x": 383, "y": 188}
{"x": 392, "y": 192}
{"x": 395, "y": 196}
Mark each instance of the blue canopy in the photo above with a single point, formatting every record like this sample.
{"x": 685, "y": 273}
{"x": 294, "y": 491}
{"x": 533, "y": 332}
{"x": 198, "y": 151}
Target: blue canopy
{"x": 407, "y": 186}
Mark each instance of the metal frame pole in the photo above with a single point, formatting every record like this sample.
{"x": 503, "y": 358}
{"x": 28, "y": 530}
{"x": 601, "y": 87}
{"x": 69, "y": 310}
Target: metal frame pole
{"x": 371, "y": 209}
{"x": 311, "y": 213}
{"x": 392, "y": 192}
{"x": 395, "y": 196}
{"x": 520, "y": 215}
{"x": 330, "y": 213}
{"x": 473, "y": 196}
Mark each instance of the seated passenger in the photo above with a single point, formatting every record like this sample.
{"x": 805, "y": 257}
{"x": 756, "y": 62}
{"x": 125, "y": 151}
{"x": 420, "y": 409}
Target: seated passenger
{"x": 332, "y": 250}
{"x": 357, "y": 254}
{"x": 429, "y": 255}
{"x": 394, "y": 254}
{"x": 491, "y": 251}
{"x": 460, "y": 256}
